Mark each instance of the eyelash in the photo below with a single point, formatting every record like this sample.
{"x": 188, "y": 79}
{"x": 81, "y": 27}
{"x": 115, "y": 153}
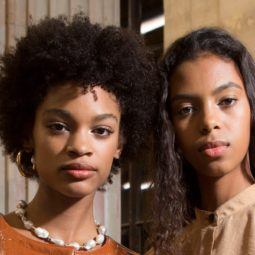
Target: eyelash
{"x": 231, "y": 99}
{"x": 58, "y": 128}
{"x": 54, "y": 127}
{"x": 226, "y": 102}
{"x": 97, "y": 132}
{"x": 182, "y": 111}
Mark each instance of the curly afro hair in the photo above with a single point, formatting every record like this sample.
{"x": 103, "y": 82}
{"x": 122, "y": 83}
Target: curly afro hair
{"x": 58, "y": 50}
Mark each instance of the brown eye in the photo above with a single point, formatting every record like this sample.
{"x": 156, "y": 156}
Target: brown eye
{"x": 102, "y": 131}
{"x": 186, "y": 110}
{"x": 228, "y": 102}
{"x": 58, "y": 127}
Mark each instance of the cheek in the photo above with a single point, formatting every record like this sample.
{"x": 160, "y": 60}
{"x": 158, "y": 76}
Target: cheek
{"x": 239, "y": 127}
{"x": 107, "y": 149}
{"x": 238, "y": 120}
{"x": 49, "y": 147}
{"x": 183, "y": 131}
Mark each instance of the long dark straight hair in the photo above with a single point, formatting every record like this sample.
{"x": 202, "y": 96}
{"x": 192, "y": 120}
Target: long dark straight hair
{"x": 176, "y": 188}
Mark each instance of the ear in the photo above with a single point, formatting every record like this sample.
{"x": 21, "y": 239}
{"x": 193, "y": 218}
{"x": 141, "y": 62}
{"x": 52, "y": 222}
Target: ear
{"x": 119, "y": 148}
{"x": 118, "y": 152}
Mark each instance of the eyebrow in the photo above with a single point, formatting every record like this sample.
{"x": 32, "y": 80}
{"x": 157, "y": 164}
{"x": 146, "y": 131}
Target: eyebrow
{"x": 60, "y": 112}
{"x": 219, "y": 89}
{"x": 66, "y": 114}
{"x": 226, "y": 86}
{"x": 105, "y": 116}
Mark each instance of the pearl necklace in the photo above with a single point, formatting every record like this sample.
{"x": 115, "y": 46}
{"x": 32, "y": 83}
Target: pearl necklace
{"x": 44, "y": 234}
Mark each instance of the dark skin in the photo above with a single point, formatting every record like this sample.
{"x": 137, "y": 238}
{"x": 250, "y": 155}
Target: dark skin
{"x": 208, "y": 103}
{"x": 71, "y": 127}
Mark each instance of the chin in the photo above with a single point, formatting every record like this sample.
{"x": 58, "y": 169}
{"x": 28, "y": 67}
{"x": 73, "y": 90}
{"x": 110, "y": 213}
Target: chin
{"x": 76, "y": 194}
{"x": 78, "y": 190}
{"x": 216, "y": 171}
{"x": 215, "y": 174}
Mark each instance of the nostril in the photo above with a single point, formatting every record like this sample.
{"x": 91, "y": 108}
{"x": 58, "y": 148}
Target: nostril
{"x": 72, "y": 153}
{"x": 78, "y": 152}
{"x": 205, "y": 131}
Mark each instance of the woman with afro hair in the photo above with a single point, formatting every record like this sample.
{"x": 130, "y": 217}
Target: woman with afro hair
{"x": 76, "y": 101}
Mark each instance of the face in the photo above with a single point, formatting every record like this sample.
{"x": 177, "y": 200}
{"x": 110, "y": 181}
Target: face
{"x": 211, "y": 114}
{"x": 75, "y": 138}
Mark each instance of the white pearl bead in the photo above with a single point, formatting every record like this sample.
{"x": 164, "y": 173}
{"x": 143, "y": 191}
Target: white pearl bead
{"x": 87, "y": 246}
{"x": 20, "y": 212}
{"x": 102, "y": 230}
{"x": 100, "y": 239}
{"x": 41, "y": 232}
{"x": 92, "y": 243}
{"x": 57, "y": 241}
{"x": 22, "y": 204}
{"x": 44, "y": 234}
{"x": 28, "y": 224}
{"x": 74, "y": 244}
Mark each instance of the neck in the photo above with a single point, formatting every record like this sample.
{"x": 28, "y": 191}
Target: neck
{"x": 215, "y": 191}
{"x": 70, "y": 219}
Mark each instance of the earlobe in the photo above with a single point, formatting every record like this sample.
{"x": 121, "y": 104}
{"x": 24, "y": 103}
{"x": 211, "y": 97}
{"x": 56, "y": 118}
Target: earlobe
{"x": 120, "y": 147}
{"x": 118, "y": 153}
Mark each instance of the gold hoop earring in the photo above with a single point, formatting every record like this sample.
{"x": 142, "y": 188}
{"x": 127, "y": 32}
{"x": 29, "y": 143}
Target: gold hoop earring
{"x": 33, "y": 163}
{"x": 19, "y": 165}
{"x": 25, "y": 171}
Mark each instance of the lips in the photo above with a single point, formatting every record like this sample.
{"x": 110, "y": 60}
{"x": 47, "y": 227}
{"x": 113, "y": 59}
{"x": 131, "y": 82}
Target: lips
{"x": 78, "y": 170}
{"x": 214, "y": 148}
{"x": 78, "y": 166}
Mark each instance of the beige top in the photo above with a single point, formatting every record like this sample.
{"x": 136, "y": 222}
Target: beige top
{"x": 230, "y": 230}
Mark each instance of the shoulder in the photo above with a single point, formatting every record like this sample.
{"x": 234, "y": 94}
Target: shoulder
{"x": 120, "y": 249}
{"x": 10, "y": 221}
{"x": 2, "y": 222}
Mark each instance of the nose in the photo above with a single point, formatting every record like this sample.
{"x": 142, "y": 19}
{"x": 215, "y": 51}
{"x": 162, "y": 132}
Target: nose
{"x": 209, "y": 120}
{"x": 79, "y": 144}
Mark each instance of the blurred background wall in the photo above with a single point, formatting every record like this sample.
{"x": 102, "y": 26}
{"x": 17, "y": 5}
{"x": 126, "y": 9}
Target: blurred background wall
{"x": 238, "y": 17}
{"x": 157, "y": 21}
{"x": 15, "y": 15}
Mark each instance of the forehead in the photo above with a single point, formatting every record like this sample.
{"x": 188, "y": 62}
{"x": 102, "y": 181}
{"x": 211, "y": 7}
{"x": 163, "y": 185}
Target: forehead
{"x": 204, "y": 74}
{"x": 78, "y": 100}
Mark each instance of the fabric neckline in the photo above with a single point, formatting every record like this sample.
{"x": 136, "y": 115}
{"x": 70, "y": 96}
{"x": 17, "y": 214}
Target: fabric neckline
{"x": 36, "y": 243}
{"x": 233, "y": 205}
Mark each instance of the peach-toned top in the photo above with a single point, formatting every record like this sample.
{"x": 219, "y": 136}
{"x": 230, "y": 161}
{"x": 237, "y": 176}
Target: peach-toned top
{"x": 230, "y": 230}
{"x": 14, "y": 243}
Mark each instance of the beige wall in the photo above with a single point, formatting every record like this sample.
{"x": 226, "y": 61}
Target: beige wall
{"x": 236, "y": 16}
{"x": 14, "y": 17}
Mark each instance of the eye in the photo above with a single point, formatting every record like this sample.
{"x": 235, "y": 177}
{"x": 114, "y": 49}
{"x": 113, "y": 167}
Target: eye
{"x": 58, "y": 127}
{"x": 184, "y": 111}
{"x": 228, "y": 101}
{"x": 102, "y": 131}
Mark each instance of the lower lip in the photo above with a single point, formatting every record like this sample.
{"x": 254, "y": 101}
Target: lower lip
{"x": 80, "y": 174}
{"x": 215, "y": 152}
